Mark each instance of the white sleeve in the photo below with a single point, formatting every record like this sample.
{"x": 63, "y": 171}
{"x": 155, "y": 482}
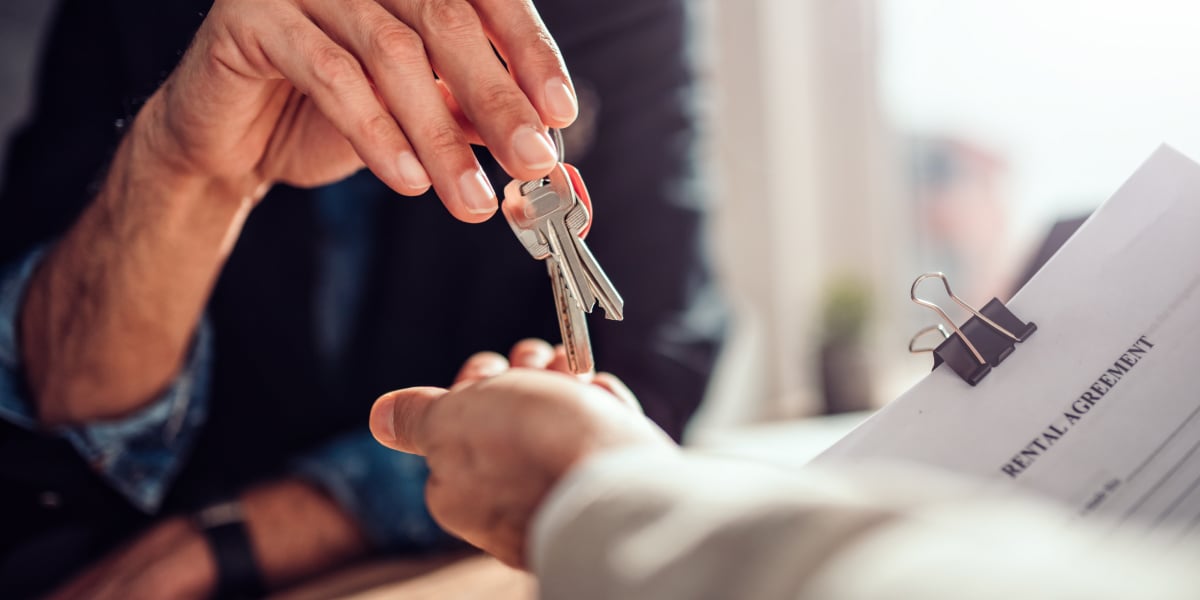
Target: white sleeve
{"x": 654, "y": 525}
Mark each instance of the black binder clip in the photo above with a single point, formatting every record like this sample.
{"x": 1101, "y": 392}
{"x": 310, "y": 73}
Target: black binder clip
{"x": 983, "y": 342}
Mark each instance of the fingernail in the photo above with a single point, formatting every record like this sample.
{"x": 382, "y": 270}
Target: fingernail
{"x": 534, "y": 149}
{"x": 412, "y": 172}
{"x": 561, "y": 101}
{"x": 476, "y": 193}
{"x": 490, "y": 367}
{"x": 383, "y": 423}
{"x": 539, "y": 356}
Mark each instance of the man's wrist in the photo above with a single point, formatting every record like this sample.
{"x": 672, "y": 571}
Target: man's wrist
{"x": 237, "y": 571}
{"x": 190, "y": 567}
{"x": 152, "y": 153}
{"x": 298, "y": 531}
{"x": 149, "y": 171}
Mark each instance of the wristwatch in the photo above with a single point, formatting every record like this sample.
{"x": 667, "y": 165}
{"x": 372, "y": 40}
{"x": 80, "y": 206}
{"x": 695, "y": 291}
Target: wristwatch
{"x": 238, "y": 574}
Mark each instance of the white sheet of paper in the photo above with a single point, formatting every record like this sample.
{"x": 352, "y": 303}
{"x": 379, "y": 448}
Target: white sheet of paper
{"x": 1100, "y": 408}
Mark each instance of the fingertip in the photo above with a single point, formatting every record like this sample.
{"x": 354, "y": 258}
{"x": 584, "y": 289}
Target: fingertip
{"x": 413, "y": 174}
{"x": 613, "y": 385}
{"x": 606, "y": 380}
{"x": 531, "y": 354}
{"x": 459, "y": 211}
{"x": 535, "y": 151}
{"x": 476, "y": 198}
{"x": 483, "y": 365}
{"x": 397, "y": 418}
{"x": 383, "y": 426}
{"x": 409, "y": 192}
{"x": 393, "y": 177}
{"x": 559, "y": 362}
{"x": 472, "y": 217}
{"x": 560, "y": 103}
{"x": 519, "y": 172}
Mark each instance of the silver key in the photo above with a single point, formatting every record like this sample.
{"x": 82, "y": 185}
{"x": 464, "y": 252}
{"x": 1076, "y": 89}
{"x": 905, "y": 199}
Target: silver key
{"x": 572, "y": 323}
{"x": 610, "y": 300}
{"x": 536, "y": 212}
{"x": 547, "y": 216}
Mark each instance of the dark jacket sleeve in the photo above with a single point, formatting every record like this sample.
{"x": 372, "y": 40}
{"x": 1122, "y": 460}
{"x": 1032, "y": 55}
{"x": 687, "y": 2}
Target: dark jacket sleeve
{"x": 57, "y": 158}
{"x": 636, "y": 146}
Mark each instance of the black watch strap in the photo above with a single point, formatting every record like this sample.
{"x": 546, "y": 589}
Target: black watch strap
{"x": 238, "y": 575}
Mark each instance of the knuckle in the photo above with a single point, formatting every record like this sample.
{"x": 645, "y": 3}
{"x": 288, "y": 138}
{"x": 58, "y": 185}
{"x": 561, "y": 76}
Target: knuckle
{"x": 450, "y": 16}
{"x": 378, "y": 129}
{"x": 397, "y": 44}
{"x": 541, "y": 47}
{"x": 445, "y": 138}
{"x": 219, "y": 11}
{"x": 499, "y": 96}
{"x": 334, "y": 67}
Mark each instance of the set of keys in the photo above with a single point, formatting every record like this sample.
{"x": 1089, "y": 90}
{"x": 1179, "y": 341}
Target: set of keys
{"x": 550, "y": 216}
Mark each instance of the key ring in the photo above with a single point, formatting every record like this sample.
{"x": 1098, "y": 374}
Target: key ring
{"x": 559, "y": 145}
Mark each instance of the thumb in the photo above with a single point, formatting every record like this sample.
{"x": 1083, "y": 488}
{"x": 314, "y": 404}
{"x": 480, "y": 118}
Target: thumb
{"x": 398, "y": 418}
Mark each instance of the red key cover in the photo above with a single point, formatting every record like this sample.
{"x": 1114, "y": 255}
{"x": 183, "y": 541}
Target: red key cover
{"x": 581, "y": 191}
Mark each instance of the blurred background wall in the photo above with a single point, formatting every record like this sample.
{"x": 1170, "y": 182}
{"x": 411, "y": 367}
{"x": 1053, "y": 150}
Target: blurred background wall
{"x": 21, "y": 25}
{"x": 805, "y": 202}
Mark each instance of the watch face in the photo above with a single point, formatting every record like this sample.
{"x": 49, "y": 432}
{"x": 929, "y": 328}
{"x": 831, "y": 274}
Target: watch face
{"x": 220, "y": 514}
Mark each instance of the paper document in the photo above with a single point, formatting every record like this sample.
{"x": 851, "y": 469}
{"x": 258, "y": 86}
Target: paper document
{"x": 1100, "y": 408}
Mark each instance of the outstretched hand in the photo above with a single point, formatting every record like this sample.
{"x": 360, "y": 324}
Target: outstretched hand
{"x": 504, "y": 435}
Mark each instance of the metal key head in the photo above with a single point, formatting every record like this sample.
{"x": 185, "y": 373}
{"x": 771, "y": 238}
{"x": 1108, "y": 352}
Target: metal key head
{"x": 580, "y": 218}
{"x": 577, "y": 219}
{"x": 539, "y": 200}
{"x": 527, "y": 234}
{"x": 529, "y": 206}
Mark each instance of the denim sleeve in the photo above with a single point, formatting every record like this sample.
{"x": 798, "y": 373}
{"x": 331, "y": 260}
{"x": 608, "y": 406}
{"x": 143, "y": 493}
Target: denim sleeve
{"x": 138, "y": 455}
{"x": 383, "y": 489}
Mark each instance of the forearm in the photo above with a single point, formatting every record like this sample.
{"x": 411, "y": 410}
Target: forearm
{"x": 107, "y": 318}
{"x": 298, "y": 531}
{"x": 295, "y": 532}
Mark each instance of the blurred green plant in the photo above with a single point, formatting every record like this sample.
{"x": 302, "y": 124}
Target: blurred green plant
{"x": 846, "y": 310}
{"x": 844, "y": 368}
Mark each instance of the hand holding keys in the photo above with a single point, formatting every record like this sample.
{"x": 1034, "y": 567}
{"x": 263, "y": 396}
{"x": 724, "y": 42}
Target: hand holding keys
{"x": 548, "y": 216}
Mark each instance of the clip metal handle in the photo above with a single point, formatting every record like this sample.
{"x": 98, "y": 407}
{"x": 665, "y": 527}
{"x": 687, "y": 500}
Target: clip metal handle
{"x": 945, "y": 317}
{"x": 912, "y": 344}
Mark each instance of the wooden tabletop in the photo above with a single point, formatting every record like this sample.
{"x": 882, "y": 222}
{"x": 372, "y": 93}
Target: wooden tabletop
{"x": 465, "y": 576}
